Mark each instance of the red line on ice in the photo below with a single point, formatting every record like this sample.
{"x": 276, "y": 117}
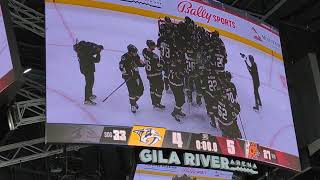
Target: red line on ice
{"x": 276, "y": 135}
{"x": 65, "y": 24}
{"x": 92, "y": 118}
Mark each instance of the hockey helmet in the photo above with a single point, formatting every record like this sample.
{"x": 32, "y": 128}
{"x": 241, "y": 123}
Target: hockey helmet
{"x": 187, "y": 20}
{"x": 150, "y": 43}
{"x": 228, "y": 75}
{"x": 132, "y": 49}
{"x": 167, "y": 19}
{"x": 215, "y": 33}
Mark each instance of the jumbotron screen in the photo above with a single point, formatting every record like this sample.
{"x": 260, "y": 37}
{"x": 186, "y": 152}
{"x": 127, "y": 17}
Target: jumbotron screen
{"x": 173, "y": 74}
{"x": 156, "y": 172}
{"x": 6, "y": 66}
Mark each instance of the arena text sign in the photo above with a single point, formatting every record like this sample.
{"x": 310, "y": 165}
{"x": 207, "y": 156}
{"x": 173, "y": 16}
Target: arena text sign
{"x": 197, "y": 160}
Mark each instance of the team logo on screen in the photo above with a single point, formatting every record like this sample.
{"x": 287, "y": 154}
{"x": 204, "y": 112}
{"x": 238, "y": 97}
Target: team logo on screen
{"x": 146, "y": 136}
{"x": 252, "y": 150}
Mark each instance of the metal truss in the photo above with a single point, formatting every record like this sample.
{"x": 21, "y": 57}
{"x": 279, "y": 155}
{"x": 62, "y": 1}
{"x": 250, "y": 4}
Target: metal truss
{"x": 30, "y": 150}
{"x": 31, "y": 106}
{"x": 27, "y": 18}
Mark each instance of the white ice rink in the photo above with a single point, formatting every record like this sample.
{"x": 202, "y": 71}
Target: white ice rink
{"x": 272, "y": 126}
{"x": 5, "y": 57}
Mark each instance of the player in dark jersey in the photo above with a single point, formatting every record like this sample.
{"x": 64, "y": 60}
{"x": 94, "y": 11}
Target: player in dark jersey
{"x": 211, "y": 85}
{"x": 128, "y": 65}
{"x": 165, "y": 45}
{"x": 176, "y": 78}
{"x": 229, "y": 109}
{"x": 192, "y": 75}
{"x": 154, "y": 66}
{"x": 220, "y": 55}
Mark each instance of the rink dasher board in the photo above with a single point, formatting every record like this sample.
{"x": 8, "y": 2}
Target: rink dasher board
{"x": 157, "y": 137}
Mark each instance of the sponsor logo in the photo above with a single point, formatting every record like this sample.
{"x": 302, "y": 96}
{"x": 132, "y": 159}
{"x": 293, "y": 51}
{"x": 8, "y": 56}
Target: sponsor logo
{"x": 147, "y": 136}
{"x": 263, "y": 38}
{"x": 151, "y": 3}
{"x": 203, "y": 12}
{"x": 256, "y": 35}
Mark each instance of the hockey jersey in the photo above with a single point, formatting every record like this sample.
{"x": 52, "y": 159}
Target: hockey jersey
{"x": 129, "y": 66}
{"x": 153, "y": 64}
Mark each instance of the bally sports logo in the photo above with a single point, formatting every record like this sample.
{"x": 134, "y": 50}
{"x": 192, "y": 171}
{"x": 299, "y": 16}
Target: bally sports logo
{"x": 151, "y": 3}
{"x": 199, "y": 10}
{"x": 148, "y": 136}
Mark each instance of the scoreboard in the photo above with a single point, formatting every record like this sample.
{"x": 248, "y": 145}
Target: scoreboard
{"x": 146, "y": 136}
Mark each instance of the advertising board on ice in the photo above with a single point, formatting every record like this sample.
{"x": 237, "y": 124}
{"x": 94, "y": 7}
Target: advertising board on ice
{"x": 212, "y": 16}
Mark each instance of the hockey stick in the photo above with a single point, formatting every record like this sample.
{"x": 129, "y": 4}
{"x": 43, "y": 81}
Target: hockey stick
{"x": 116, "y": 90}
{"x": 244, "y": 132}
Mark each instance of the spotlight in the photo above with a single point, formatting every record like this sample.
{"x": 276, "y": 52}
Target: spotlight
{"x": 27, "y": 70}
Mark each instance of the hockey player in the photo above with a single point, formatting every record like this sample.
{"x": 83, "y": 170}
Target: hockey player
{"x": 165, "y": 45}
{"x": 229, "y": 109}
{"x": 211, "y": 85}
{"x": 176, "y": 78}
{"x": 154, "y": 66}
{"x": 192, "y": 75}
{"x": 128, "y": 66}
{"x": 220, "y": 55}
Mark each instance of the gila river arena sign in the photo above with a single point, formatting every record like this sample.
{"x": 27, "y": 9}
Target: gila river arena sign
{"x": 197, "y": 160}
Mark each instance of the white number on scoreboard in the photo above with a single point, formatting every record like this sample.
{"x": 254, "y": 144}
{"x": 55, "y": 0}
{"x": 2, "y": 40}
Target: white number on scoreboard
{"x": 230, "y": 146}
{"x": 119, "y": 135}
{"x": 177, "y": 139}
{"x": 266, "y": 154}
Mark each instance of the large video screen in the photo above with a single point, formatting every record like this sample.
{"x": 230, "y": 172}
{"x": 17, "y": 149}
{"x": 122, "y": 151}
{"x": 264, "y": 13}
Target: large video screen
{"x": 6, "y": 67}
{"x": 154, "y": 172}
{"x": 164, "y": 73}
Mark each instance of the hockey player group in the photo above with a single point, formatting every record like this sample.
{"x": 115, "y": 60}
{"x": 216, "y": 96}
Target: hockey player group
{"x": 191, "y": 63}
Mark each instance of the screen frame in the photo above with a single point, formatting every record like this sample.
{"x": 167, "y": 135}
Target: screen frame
{"x": 49, "y": 125}
{"x": 9, "y": 92}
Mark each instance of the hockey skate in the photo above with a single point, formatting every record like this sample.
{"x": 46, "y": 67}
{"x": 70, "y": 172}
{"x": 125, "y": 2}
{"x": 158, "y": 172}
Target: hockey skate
{"x": 89, "y": 102}
{"x": 175, "y": 116}
{"x": 159, "y": 106}
{"x": 256, "y": 108}
{"x": 180, "y": 113}
{"x": 137, "y": 106}
{"x": 133, "y": 109}
{"x": 93, "y": 97}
